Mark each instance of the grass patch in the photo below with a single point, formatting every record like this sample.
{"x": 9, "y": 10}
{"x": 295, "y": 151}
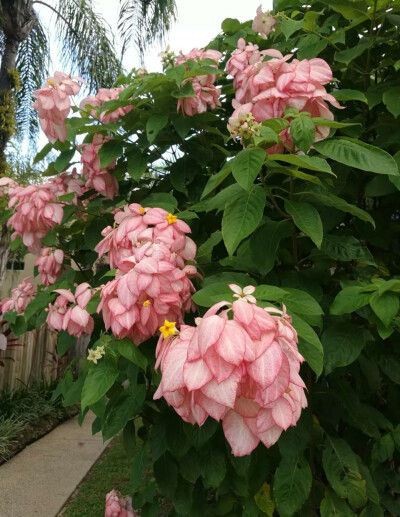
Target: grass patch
{"x": 110, "y": 471}
{"x": 26, "y": 415}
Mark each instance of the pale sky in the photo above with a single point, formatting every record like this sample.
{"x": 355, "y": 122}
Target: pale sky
{"x": 198, "y": 22}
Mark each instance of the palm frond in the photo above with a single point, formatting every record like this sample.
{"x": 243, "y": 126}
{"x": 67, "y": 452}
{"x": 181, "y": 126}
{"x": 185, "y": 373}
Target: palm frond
{"x": 32, "y": 64}
{"x": 144, "y": 21}
{"x": 87, "y": 43}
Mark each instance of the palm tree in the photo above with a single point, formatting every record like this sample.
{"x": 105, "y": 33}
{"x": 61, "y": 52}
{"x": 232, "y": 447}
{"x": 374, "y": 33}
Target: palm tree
{"x": 87, "y": 49}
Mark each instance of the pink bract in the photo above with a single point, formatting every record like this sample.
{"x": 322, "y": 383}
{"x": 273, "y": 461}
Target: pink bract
{"x": 263, "y": 23}
{"x": 102, "y": 96}
{"x": 118, "y": 506}
{"x": 20, "y": 297}
{"x": 49, "y": 265}
{"x": 243, "y": 371}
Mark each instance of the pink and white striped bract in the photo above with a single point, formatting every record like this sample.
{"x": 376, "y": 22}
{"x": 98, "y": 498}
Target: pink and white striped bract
{"x": 266, "y": 87}
{"x": 20, "y": 297}
{"x": 243, "y": 371}
{"x": 205, "y": 92}
{"x": 69, "y": 313}
{"x": 98, "y": 178}
{"x": 53, "y": 104}
{"x": 118, "y": 506}
{"x": 136, "y": 303}
{"x": 49, "y": 264}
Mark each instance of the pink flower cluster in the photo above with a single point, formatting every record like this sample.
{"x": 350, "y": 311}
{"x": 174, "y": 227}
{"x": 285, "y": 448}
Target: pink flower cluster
{"x": 118, "y": 506}
{"x": 49, "y": 264}
{"x": 102, "y": 96}
{"x": 241, "y": 366}
{"x": 205, "y": 93}
{"x": 97, "y": 177}
{"x": 265, "y": 88}
{"x": 69, "y": 313}
{"x": 36, "y": 210}
{"x": 20, "y": 297}
{"x": 149, "y": 246}
{"x": 53, "y": 104}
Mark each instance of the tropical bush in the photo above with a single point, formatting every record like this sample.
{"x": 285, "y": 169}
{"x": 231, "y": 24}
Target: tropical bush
{"x": 284, "y": 171}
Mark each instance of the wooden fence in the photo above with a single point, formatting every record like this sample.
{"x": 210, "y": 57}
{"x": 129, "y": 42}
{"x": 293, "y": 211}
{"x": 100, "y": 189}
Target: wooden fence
{"x": 34, "y": 360}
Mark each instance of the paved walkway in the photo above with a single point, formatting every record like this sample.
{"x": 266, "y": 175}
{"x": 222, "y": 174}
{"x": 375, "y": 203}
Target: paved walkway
{"x": 38, "y": 480}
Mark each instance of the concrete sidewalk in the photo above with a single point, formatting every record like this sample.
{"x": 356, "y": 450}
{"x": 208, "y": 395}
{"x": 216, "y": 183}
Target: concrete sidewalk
{"x": 38, "y": 480}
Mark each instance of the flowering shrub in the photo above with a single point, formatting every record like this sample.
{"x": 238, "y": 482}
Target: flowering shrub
{"x": 230, "y": 247}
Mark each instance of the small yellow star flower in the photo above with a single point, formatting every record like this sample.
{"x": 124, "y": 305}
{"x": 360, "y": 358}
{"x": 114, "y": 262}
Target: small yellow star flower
{"x": 146, "y": 303}
{"x": 171, "y": 218}
{"x": 142, "y": 210}
{"x": 168, "y": 329}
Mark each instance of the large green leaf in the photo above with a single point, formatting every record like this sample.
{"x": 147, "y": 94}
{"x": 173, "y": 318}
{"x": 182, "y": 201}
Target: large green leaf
{"x": 349, "y": 95}
{"x": 265, "y": 241}
{"x": 127, "y": 349}
{"x": 310, "y": 345}
{"x": 342, "y": 345}
{"x": 212, "y": 293}
{"x": 333, "y": 506}
{"x": 358, "y": 155}
{"x": 122, "y": 409}
{"x": 242, "y": 216}
{"x": 301, "y": 302}
{"x": 99, "y": 380}
{"x": 138, "y": 468}
{"x": 313, "y": 163}
{"x": 391, "y": 98}
{"x": 154, "y": 125}
{"x": 302, "y": 130}
{"x": 341, "y": 469}
{"x": 345, "y": 248}
{"x": 292, "y": 485}
{"x": 385, "y": 306}
{"x": 349, "y": 300}
{"x": 109, "y": 151}
{"x": 246, "y": 165}
{"x": 217, "y": 179}
{"x": 347, "y": 56}
{"x": 307, "y": 219}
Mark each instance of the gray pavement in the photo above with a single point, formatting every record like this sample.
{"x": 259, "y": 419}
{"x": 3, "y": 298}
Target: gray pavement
{"x": 39, "y": 480}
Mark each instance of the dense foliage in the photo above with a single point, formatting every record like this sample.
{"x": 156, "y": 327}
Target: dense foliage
{"x": 312, "y": 224}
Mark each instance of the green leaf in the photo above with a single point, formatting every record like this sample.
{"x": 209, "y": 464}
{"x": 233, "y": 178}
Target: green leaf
{"x": 292, "y": 485}
{"x": 138, "y": 468}
{"x": 122, "y": 409}
{"x": 213, "y": 293}
{"x": 320, "y": 121}
{"x": 246, "y": 165}
{"x": 301, "y": 302}
{"x": 11, "y": 316}
{"x": 264, "y": 500}
{"x": 349, "y": 299}
{"x": 205, "y": 250}
{"x": 43, "y": 153}
{"x": 213, "y": 466}
{"x": 345, "y": 248}
{"x": 391, "y": 100}
{"x": 99, "y": 380}
{"x": 289, "y": 27}
{"x": 341, "y": 469}
{"x": 349, "y": 95}
{"x": 342, "y": 345}
{"x": 137, "y": 164}
{"x": 109, "y": 151}
{"x": 307, "y": 219}
{"x": 217, "y": 179}
{"x": 333, "y": 506}
{"x": 326, "y": 198}
{"x": 162, "y": 200}
{"x": 15, "y": 243}
{"x": 19, "y": 326}
{"x": 63, "y": 160}
{"x": 372, "y": 510}
{"x": 64, "y": 342}
{"x": 242, "y": 216}
{"x": 310, "y": 345}
{"x": 230, "y": 25}
{"x": 390, "y": 367}
{"x": 93, "y": 232}
{"x": 176, "y": 73}
{"x": 40, "y": 302}
{"x": 265, "y": 241}
{"x": 313, "y": 163}
{"x": 50, "y": 239}
{"x": 347, "y": 56}
{"x": 154, "y": 125}
{"x": 383, "y": 449}
{"x": 350, "y": 10}
{"x": 311, "y": 45}
{"x": 385, "y": 306}
{"x": 131, "y": 352}
{"x": 269, "y": 292}
{"x": 358, "y": 154}
{"x": 302, "y": 130}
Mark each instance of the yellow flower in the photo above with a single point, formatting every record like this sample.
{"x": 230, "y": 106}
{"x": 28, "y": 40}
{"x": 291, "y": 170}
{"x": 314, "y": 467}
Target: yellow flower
{"x": 171, "y": 218}
{"x": 168, "y": 329}
{"x": 146, "y": 303}
{"x": 142, "y": 210}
